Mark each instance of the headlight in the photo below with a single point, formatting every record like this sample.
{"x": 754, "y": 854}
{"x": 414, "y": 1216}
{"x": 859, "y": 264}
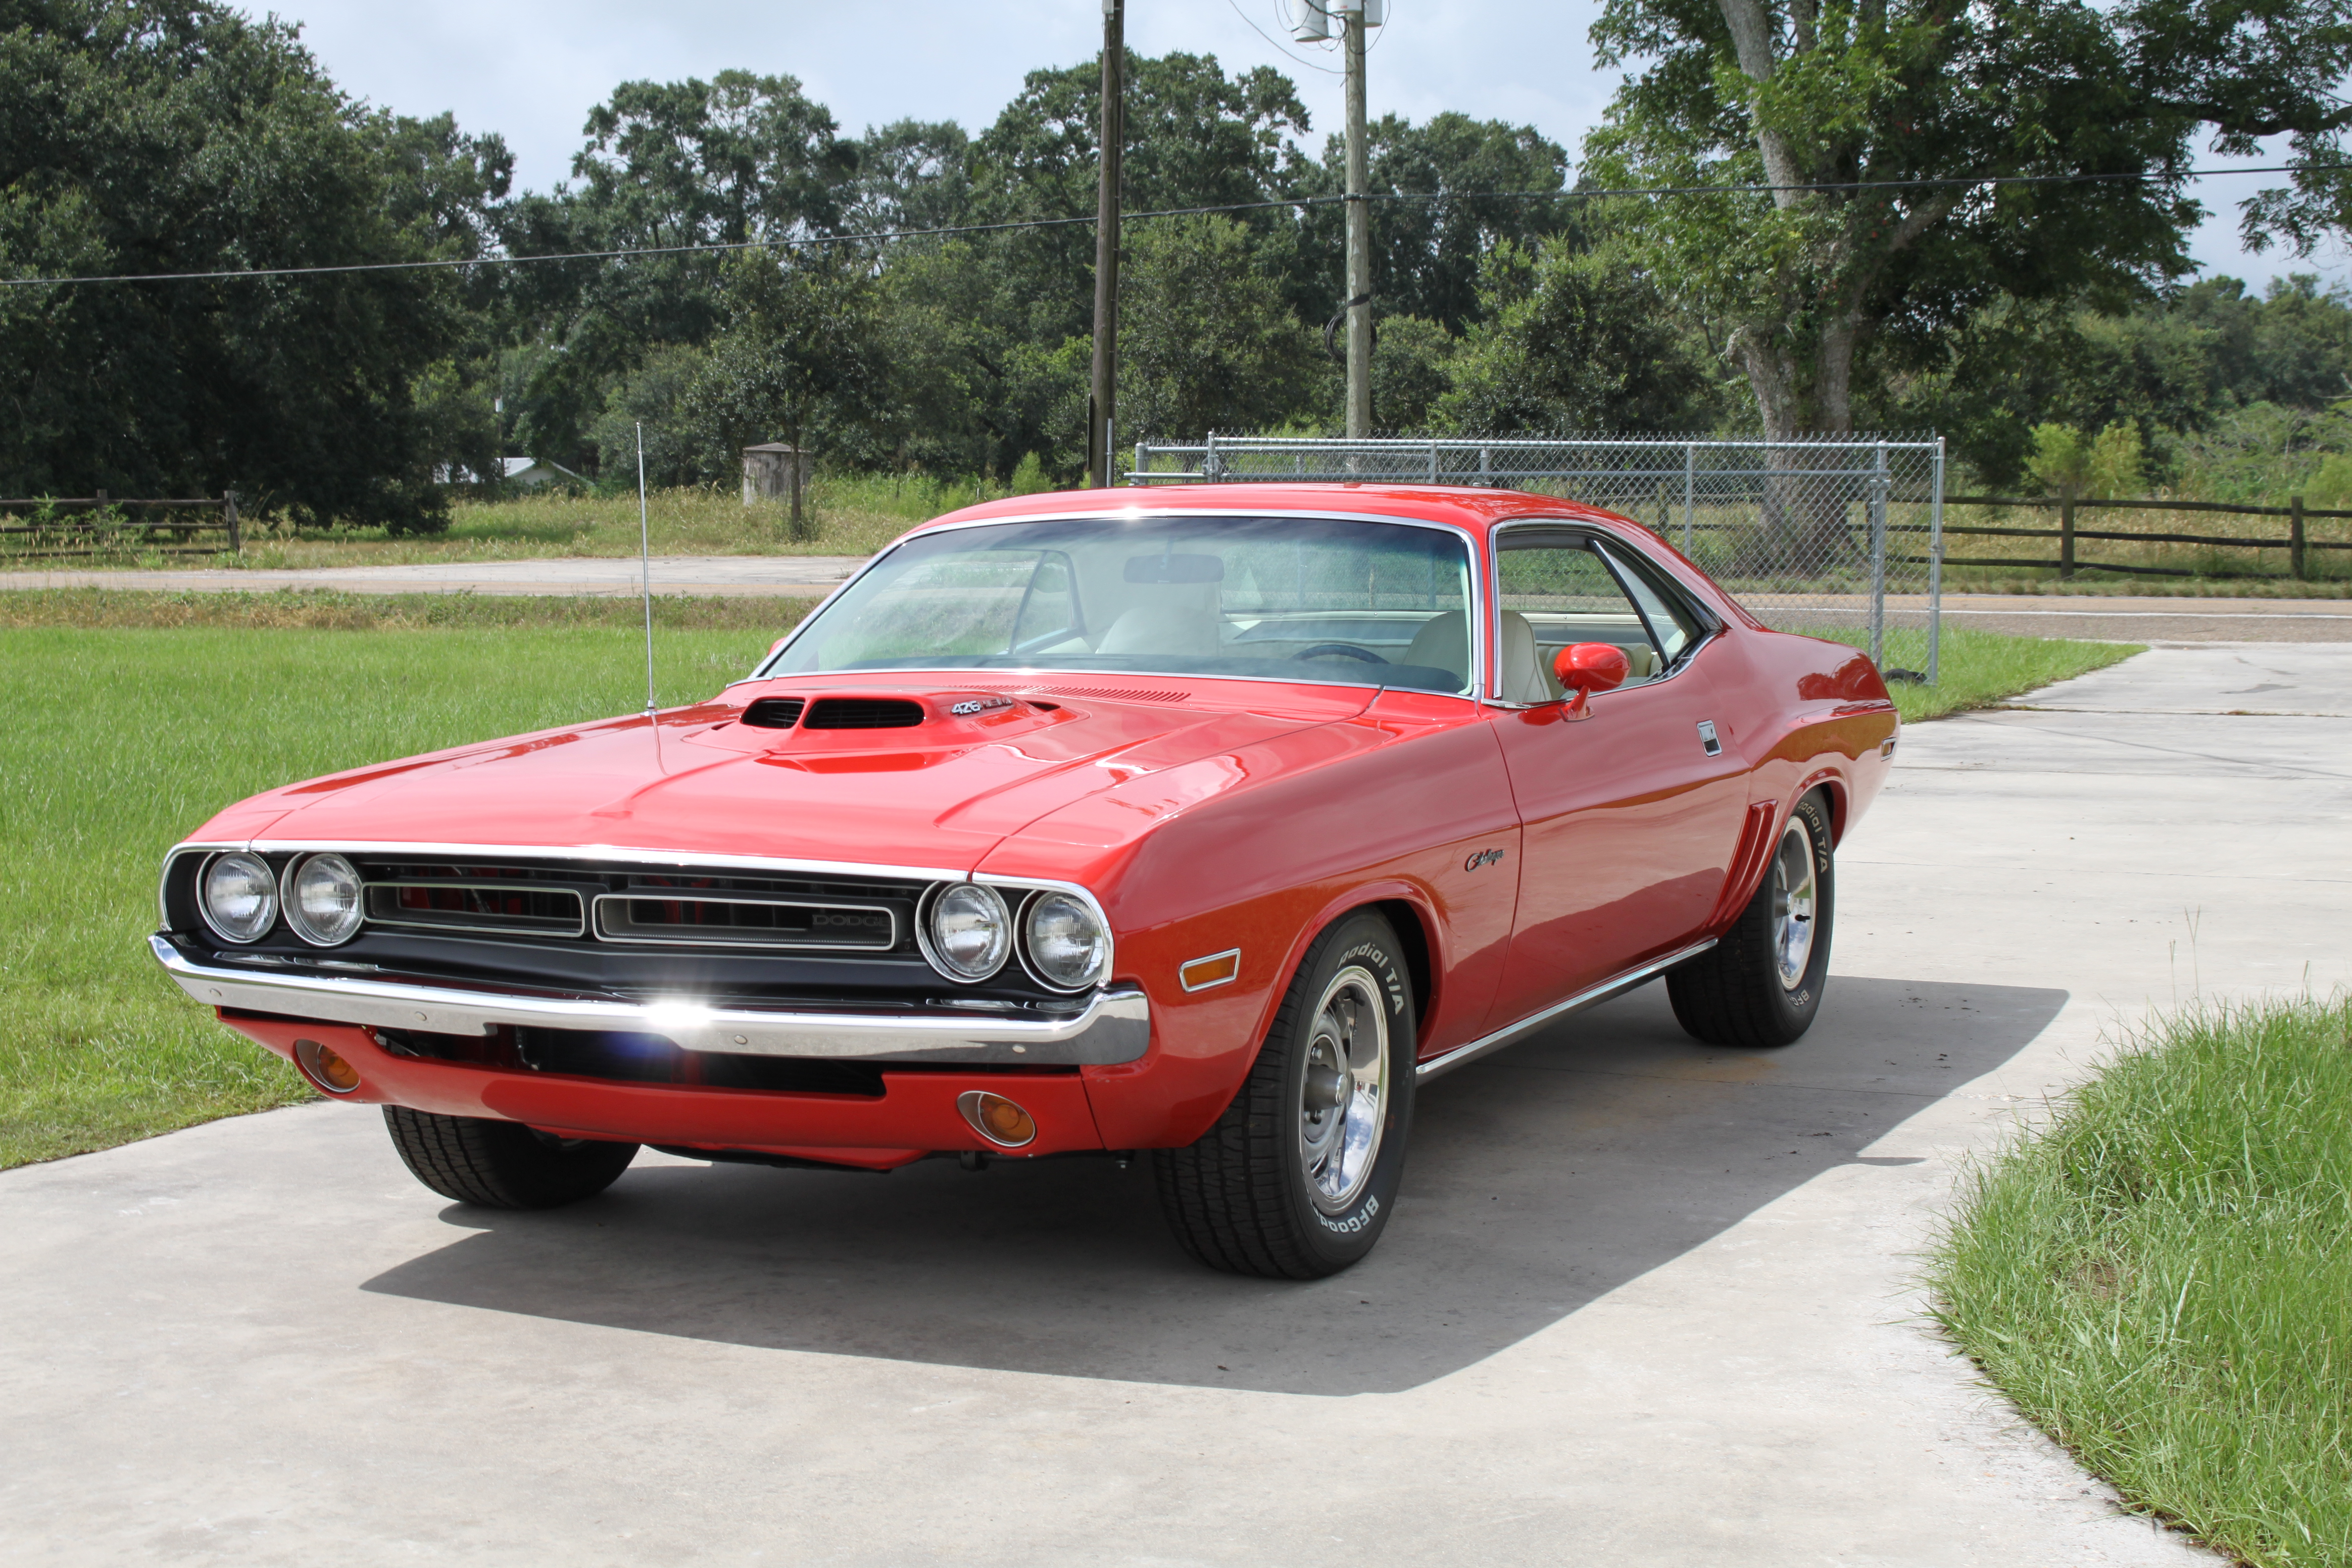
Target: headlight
{"x": 1066, "y": 944}
{"x": 969, "y": 933}
{"x": 240, "y": 897}
{"x": 322, "y": 899}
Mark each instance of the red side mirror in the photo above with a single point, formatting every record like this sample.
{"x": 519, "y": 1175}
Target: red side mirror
{"x": 1590, "y": 667}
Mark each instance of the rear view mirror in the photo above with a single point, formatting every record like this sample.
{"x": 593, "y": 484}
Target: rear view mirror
{"x": 1590, "y": 667}
{"x": 1175, "y": 568}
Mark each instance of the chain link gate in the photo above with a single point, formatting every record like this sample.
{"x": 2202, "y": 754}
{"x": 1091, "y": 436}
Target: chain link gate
{"x": 1836, "y": 537}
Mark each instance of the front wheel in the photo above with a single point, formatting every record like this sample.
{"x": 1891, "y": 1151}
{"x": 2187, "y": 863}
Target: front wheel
{"x": 1761, "y": 984}
{"x": 502, "y": 1165}
{"x": 1298, "y": 1178}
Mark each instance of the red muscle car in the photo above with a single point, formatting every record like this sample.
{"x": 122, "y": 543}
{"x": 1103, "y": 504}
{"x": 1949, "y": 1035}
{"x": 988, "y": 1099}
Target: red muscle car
{"x": 1206, "y": 822}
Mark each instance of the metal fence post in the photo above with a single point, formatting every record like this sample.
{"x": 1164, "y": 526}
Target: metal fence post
{"x": 1878, "y": 556}
{"x": 1135, "y": 475}
{"x": 1209, "y": 463}
{"x": 1486, "y": 466}
{"x": 1936, "y": 565}
{"x": 1690, "y": 484}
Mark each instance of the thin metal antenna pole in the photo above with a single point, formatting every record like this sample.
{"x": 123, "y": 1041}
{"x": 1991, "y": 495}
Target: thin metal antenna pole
{"x": 645, "y": 555}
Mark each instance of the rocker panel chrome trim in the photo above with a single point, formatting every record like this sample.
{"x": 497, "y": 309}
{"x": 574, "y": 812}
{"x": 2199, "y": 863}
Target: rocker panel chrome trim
{"x": 1114, "y": 1025}
{"x": 1463, "y": 1056}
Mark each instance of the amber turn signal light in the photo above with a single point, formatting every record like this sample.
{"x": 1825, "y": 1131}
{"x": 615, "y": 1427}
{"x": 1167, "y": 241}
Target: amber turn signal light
{"x": 1217, "y": 969}
{"x": 325, "y": 1069}
{"x": 997, "y": 1119}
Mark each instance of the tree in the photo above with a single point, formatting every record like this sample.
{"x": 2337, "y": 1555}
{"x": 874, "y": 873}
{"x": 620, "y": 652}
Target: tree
{"x": 1426, "y": 254}
{"x": 1795, "y": 284}
{"x": 1572, "y": 339}
{"x": 186, "y": 138}
{"x": 799, "y": 354}
{"x": 740, "y": 158}
{"x": 1205, "y": 340}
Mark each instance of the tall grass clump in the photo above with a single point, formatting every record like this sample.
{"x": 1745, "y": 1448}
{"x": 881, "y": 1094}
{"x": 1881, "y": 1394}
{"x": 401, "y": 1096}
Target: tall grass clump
{"x": 2161, "y": 1278}
{"x": 1979, "y": 669}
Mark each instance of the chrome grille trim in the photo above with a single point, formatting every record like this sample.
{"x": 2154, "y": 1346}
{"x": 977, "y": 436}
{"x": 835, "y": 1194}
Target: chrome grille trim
{"x": 386, "y": 911}
{"x": 614, "y": 923}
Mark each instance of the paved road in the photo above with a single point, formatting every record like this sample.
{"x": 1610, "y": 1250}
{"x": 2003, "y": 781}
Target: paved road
{"x": 2097, "y": 619}
{"x": 1642, "y": 1302}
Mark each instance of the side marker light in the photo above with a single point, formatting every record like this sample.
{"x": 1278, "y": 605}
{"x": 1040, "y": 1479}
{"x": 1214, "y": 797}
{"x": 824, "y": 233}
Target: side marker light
{"x": 1217, "y": 969}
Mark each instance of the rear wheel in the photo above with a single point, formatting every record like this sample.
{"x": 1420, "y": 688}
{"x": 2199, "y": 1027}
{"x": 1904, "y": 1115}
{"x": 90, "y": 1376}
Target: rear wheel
{"x": 1299, "y": 1177}
{"x": 502, "y": 1165}
{"x": 1761, "y": 984}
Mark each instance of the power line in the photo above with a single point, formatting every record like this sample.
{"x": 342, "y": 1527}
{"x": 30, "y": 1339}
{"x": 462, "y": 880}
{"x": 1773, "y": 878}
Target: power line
{"x": 958, "y": 230}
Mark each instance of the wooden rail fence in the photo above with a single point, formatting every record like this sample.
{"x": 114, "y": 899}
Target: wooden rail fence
{"x": 223, "y": 505}
{"x": 2296, "y": 543}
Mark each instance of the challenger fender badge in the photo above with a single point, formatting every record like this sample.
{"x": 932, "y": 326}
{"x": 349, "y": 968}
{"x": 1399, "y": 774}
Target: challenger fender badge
{"x": 1484, "y": 857}
{"x": 981, "y": 705}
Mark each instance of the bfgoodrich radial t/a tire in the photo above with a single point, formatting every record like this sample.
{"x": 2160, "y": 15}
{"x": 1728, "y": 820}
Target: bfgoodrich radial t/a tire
{"x": 502, "y": 1165}
{"x": 1762, "y": 983}
{"x": 1298, "y": 1178}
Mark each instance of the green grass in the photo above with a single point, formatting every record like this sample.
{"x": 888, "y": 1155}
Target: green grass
{"x": 131, "y": 717}
{"x": 122, "y": 740}
{"x": 2162, "y": 1277}
{"x": 1982, "y": 670}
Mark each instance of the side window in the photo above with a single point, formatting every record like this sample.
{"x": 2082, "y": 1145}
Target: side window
{"x": 1563, "y": 593}
{"x": 1049, "y": 609}
{"x": 1677, "y": 631}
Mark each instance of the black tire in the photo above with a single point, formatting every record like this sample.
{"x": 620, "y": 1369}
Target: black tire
{"x": 1735, "y": 994}
{"x": 502, "y": 1165}
{"x": 1245, "y": 1198}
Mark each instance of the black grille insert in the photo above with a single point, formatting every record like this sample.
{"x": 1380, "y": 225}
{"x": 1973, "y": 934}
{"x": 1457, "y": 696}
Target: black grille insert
{"x": 694, "y": 911}
{"x": 473, "y": 899}
{"x": 775, "y": 712}
{"x": 863, "y": 714}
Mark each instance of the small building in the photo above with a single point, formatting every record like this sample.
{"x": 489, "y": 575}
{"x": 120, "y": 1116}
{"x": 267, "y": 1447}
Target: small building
{"x": 773, "y": 470}
{"x": 524, "y": 473}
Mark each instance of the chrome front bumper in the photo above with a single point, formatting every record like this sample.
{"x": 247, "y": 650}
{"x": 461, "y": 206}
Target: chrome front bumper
{"x": 1112, "y": 1026}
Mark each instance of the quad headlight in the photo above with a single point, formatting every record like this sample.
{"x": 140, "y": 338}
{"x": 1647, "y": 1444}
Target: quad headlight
{"x": 322, "y": 899}
{"x": 968, "y": 935}
{"x": 240, "y": 897}
{"x": 1066, "y": 941}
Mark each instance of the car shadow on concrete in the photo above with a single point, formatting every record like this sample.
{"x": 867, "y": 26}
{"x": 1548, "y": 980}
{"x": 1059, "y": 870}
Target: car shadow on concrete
{"x": 1539, "y": 1179}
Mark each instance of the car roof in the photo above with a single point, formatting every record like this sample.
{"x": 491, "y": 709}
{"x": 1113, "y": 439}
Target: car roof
{"x": 1475, "y": 510}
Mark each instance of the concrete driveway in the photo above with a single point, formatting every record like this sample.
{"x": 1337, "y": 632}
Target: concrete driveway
{"x": 1642, "y": 1302}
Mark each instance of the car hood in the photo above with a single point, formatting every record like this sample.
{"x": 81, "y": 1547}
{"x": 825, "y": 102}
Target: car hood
{"x": 938, "y": 795}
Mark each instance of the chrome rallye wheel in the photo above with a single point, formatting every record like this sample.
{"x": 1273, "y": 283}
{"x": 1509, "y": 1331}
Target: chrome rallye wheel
{"x": 1297, "y": 1177}
{"x": 1761, "y": 984}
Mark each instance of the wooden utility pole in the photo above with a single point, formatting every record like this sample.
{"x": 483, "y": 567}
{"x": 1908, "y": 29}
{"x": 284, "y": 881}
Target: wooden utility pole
{"x": 1360, "y": 230}
{"x": 1102, "y": 405}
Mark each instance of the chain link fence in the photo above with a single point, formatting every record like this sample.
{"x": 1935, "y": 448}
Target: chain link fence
{"x": 1832, "y": 537}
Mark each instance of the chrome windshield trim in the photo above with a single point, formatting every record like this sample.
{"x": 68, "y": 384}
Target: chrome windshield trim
{"x": 1511, "y": 1034}
{"x": 1475, "y": 612}
{"x": 1112, "y": 1026}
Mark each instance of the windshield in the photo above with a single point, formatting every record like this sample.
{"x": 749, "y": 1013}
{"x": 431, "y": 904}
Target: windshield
{"x": 1276, "y": 598}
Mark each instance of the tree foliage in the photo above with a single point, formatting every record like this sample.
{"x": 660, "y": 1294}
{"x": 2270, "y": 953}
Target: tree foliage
{"x": 1795, "y": 94}
{"x": 188, "y": 139}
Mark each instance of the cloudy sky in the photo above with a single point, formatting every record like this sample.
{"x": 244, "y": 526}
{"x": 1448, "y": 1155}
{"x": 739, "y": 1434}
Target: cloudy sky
{"x": 532, "y": 69}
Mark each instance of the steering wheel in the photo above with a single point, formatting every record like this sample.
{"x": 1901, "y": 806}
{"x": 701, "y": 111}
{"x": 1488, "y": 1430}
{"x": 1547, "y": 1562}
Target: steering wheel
{"x": 1347, "y": 650}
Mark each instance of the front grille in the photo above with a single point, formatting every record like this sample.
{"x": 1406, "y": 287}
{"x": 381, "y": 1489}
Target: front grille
{"x": 473, "y": 899}
{"x": 816, "y": 913}
{"x": 680, "y": 911}
{"x": 863, "y": 714}
{"x": 775, "y": 712}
